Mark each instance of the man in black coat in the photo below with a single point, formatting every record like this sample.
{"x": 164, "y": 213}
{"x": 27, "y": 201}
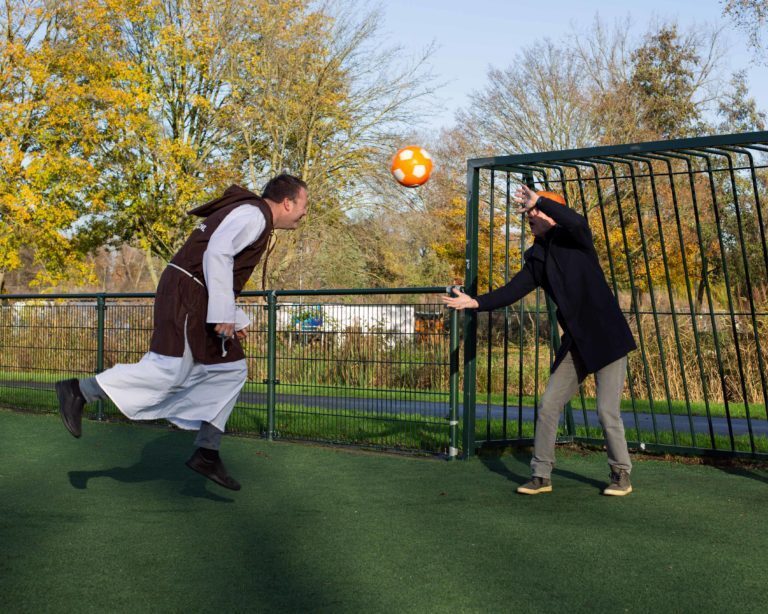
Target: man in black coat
{"x": 596, "y": 338}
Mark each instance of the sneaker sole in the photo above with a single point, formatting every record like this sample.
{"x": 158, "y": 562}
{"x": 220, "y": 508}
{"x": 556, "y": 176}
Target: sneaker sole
{"x": 531, "y": 491}
{"x": 617, "y": 493}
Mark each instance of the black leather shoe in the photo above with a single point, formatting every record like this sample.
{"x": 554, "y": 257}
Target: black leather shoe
{"x": 214, "y": 470}
{"x": 71, "y": 403}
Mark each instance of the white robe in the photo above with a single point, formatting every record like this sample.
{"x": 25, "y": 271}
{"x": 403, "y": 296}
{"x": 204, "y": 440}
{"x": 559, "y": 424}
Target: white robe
{"x": 178, "y": 389}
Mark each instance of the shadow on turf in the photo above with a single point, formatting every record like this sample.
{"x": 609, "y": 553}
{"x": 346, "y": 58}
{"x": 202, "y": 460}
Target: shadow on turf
{"x": 155, "y": 464}
{"x": 742, "y": 472}
{"x": 493, "y": 461}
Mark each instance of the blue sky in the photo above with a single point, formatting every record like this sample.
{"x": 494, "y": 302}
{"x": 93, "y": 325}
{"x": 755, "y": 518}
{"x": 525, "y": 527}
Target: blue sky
{"x": 471, "y": 36}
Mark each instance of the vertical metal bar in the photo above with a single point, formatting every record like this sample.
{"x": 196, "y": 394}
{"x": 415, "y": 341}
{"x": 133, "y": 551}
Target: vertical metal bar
{"x": 554, "y": 338}
{"x": 489, "y": 362}
{"x": 668, "y": 163}
{"x": 453, "y": 418}
{"x": 528, "y": 180}
{"x": 584, "y": 212}
{"x": 570, "y": 425}
{"x": 764, "y": 245}
{"x": 505, "y": 393}
{"x": 634, "y": 306}
{"x": 536, "y": 358}
{"x": 470, "y": 318}
{"x": 750, "y": 300}
{"x": 702, "y": 250}
{"x": 724, "y": 264}
{"x": 101, "y": 308}
{"x": 614, "y": 282}
{"x": 271, "y": 362}
{"x": 662, "y": 244}
{"x": 651, "y": 294}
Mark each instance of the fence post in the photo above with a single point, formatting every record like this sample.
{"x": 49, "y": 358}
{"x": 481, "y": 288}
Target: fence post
{"x": 453, "y": 449}
{"x": 271, "y": 362}
{"x": 101, "y": 307}
{"x": 470, "y": 318}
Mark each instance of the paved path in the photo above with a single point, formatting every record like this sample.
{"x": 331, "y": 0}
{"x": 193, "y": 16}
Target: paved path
{"x": 645, "y": 421}
{"x": 438, "y": 409}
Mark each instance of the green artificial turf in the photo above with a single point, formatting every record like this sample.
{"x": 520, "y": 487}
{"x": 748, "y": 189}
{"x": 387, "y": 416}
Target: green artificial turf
{"x": 115, "y": 522}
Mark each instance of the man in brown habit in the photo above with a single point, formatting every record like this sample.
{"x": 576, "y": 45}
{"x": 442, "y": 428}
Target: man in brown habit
{"x": 195, "y": 367}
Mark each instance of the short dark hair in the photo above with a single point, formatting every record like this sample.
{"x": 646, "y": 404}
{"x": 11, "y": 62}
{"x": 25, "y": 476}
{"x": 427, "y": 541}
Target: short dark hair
{"x": 283, "y": 186}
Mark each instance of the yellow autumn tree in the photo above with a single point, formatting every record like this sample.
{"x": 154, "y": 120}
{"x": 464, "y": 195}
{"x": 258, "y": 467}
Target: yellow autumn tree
{"x": 49, "y": 137}
{"x": 167, "y": 149}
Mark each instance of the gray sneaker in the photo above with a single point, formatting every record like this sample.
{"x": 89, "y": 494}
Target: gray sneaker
{"x": 535, "y": 486}
{"x": 619, "y": 485}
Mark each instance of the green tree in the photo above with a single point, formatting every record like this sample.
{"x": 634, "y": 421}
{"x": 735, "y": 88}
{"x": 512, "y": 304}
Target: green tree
{"x": 169, "y": 147}
{"x": 668, "y": 73}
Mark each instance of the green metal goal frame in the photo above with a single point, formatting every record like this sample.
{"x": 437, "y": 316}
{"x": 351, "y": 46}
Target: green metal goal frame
{"x": 693, "y": 201}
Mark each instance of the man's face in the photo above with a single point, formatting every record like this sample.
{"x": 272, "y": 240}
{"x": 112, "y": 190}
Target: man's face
{"x": 295, "y": 210}
{"x": 539, "y": 222}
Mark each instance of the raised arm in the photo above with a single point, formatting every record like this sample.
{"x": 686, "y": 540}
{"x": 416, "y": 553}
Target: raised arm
{"x": 565, "y": 217}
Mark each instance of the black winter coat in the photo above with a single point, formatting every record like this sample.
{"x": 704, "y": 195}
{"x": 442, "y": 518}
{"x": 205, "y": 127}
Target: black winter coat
{"x": 565, "y": 264}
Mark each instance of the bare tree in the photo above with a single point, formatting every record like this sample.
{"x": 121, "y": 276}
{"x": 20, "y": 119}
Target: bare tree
{"x": 537, "y": 103}
{"x": 750, "y": 16}
{"x": 320, "y": 99}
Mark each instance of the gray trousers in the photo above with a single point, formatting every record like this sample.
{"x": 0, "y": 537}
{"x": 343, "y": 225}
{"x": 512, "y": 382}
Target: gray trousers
{"x": 562, "y": 386}
{"x": 207, "y": 437}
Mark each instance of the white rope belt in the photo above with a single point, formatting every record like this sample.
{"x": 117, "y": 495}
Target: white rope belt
{"x": 187, "y": 273}
{"x": 223, "y": 338}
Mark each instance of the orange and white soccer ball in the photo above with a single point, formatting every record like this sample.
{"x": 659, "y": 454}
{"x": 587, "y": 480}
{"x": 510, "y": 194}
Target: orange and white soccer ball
{"x": 411, "y": 166}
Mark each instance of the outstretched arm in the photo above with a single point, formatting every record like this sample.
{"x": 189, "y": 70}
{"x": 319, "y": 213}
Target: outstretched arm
{"x": 520, "y": 285}
{"x": 517, "y": 287}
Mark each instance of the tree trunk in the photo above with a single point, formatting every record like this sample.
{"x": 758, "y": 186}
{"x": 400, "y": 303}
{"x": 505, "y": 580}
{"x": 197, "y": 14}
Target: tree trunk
{"x": 700, "y": 295}
{"x": 151, "y": 266}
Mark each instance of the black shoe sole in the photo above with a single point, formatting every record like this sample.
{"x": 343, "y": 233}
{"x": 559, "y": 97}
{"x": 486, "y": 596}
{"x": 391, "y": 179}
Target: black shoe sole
{"x": 62, "y": 394}
{"x": 211, "y": 476}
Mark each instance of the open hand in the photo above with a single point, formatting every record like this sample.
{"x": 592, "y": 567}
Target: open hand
{"x": 460, "y": 300}
{"x": 525, "y": 197}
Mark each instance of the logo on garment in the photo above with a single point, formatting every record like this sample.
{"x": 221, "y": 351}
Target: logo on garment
{"x": 201, "y": 227}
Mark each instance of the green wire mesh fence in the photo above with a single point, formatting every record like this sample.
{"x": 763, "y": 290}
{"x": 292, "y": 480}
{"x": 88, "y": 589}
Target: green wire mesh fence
{"x": 324, "y": 366}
